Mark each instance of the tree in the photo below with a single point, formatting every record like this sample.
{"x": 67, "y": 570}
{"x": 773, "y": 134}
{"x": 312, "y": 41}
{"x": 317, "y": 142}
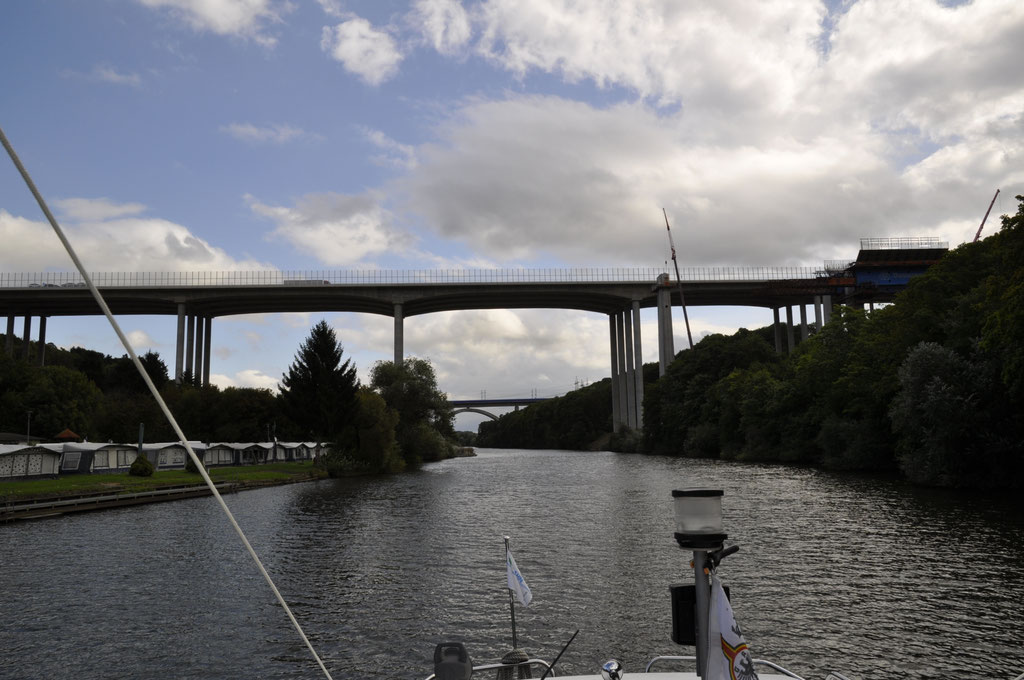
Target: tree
{"x": 318, "y": 393}
{"x": 426, "y": 421}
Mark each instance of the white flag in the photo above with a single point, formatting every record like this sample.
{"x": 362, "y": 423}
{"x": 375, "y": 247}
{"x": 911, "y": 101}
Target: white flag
{"x": 516, "y": 582}
{"x": 728, "y": 655}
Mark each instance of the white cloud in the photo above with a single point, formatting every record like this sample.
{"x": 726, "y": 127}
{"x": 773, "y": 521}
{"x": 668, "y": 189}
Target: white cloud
{"x": 95, "y": 209}
{"x": 781, "y": 152}
{"x": 395, "y": 154}
{"x": 444, "y": 24}
{"x": 241, "y": 18}
{"x": 110, "y": 237}
{"x": 336, "y": 229}
{"x": 276, "y": 134}
{"x": 246, "y": 378}
{"x": 141, "y": 341}
{"x": 109, "y": 75}
{"x": 369, "y": 53}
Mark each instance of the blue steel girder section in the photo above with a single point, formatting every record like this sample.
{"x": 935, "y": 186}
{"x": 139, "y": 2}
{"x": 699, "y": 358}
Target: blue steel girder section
{"x": 599, "y": 296}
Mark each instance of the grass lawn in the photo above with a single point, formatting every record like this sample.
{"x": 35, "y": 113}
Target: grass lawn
{"x": 71, "y": 485}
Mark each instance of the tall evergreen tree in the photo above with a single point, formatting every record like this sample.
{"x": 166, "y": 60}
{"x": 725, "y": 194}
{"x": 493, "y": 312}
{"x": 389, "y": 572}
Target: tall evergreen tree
{"x": 318, "y": 393}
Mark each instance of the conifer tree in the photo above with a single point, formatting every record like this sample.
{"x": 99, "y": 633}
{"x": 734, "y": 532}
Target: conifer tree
{"x": 318, "y": 393}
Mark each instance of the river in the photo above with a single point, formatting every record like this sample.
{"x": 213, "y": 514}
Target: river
{"x": 870, "y": 578}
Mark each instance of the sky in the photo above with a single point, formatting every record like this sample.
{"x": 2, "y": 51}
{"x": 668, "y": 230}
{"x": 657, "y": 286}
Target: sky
{"x": 294, "y": 135}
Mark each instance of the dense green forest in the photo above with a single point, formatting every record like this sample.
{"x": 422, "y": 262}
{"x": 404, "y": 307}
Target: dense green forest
{"x": 930, "y": 387}
{"x": 400, "y": 419}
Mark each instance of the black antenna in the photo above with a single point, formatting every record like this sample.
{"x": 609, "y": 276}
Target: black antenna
{"x": 560, "y": 654}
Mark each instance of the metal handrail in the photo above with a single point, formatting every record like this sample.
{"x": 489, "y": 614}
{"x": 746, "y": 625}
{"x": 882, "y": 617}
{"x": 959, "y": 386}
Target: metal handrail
{"x": 759, "y": 662}
{"x": 496, "y": 666}
{"x": 273, "y": 277}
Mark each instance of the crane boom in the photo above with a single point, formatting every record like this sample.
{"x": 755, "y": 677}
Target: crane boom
{"x": 978, "y": 235}
{"x": 679, "y": 280}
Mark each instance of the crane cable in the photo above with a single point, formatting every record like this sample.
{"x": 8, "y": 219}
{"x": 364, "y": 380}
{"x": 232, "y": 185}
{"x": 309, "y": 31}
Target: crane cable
{"x": 156, "y": 394}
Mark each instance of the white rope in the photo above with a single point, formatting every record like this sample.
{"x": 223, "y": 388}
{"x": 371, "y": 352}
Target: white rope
{"x": 156, "y": 394}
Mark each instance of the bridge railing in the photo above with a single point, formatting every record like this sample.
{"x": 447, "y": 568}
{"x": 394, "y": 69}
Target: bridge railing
{"x": 313, "y": 278}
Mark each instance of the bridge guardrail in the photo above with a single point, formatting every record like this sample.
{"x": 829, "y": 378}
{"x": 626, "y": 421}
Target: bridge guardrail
{"x": 398, "y": 277}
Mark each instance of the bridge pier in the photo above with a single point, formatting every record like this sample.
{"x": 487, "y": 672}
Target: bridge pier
{"x": 179, "y": 343}
{"x": 826, "y": 303}
{"x": 208, "y": 336}
{"x": 399, "y": 335}
{"x": 190, "y": 347}
{"x": 666, "y": 344}
{"x": 614, "y": 345}
{"x": 42, "y": 341}
{"x": 638, "y": 373}
{"x": 804, "y": 333}
{"x": 790, "y": 339}
{"x": 26, "y": 337}
{"x": 10, "y": 335}
{"x": 626, "y": 368}
{"x": 777, "y": 328}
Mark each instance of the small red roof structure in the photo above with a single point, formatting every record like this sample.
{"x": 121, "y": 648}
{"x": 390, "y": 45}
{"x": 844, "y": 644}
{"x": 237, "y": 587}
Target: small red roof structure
{"x": 67, "y": 435}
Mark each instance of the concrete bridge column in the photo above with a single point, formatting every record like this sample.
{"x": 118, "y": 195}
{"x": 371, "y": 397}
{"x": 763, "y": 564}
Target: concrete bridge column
{"x": 620, "y": 384}
{"x": 208, "y": 335}
{"x": 638, "y": 372}
{"x": 790, "y": 340}
{"x": 197, "y": 377}
{"x": 26, "y": 337}
{"x": 826, "y": 307}
{"x": 804, "y": 333}
{"x": 399, "y": 335}
{"x": 613, "y": 344}
{"x": 778, "y": 330}
{"x": 190, "y": 347}
{"x": 10, "y": 335}
{"x": 666, "y": 344}
{"x": 630, "y": 372}
{"x": 42, "y": 341}
{"x": 817, "y": 313}
{"x": 179, "y": 344}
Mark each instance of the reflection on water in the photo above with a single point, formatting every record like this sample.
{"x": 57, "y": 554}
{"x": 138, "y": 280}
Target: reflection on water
{"x": 871, "y": 578}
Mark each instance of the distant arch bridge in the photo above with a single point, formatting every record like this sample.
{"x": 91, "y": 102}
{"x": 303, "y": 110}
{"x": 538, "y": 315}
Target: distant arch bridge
{"x": 476, "y": 405}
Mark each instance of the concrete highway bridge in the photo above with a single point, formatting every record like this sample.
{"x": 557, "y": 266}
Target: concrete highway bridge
{"x": 197, "y": 298}
{"x": 478, "y": 405}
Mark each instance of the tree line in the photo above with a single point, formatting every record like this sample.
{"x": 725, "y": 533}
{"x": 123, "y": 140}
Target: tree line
{"x": 930, "y": 387}
{"x": 400, "y": 419}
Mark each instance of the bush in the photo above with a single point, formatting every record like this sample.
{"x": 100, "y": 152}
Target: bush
{"x": 141, "y": 467}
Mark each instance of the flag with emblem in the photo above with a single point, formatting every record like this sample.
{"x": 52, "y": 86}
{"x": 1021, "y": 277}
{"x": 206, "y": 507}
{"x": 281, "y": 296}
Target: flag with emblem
{"x": 728, "y": 655}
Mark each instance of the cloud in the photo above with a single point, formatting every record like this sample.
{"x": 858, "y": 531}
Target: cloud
{"x": 141, "y": 341}
{"x": 724, "y": 54}
{"x": 444, "y": 24}
{"x": 239, "y": 18}
{"x": 111, "y": 237}
{"x": 105, "y": 74}
{"x": 275, "y": 134}
{"x": 96, "y": 209}
{"x": 246, "y": 378}
{"x": 781, "y": 153}
{"x": 367, "y": 52}
{"x": 395, "y": 154}
{"x": 336, "y": 229}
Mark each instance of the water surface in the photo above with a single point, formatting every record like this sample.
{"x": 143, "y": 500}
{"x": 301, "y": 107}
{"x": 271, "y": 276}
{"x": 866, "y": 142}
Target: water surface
{"x": 870, "y": 578}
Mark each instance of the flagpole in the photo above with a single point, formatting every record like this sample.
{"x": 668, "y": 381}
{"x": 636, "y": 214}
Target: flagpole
{"x": 511, "y": 602}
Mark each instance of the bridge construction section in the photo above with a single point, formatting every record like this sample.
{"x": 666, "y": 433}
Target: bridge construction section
{"x": 197, "y": 298}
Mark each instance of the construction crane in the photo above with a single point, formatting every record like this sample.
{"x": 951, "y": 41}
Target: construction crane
{"x": 679, "y": 280}
{"x": 978, "y": 235}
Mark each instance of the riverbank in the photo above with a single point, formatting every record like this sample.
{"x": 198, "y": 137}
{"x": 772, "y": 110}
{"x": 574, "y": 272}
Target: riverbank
{"x": 71, "y": 486}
